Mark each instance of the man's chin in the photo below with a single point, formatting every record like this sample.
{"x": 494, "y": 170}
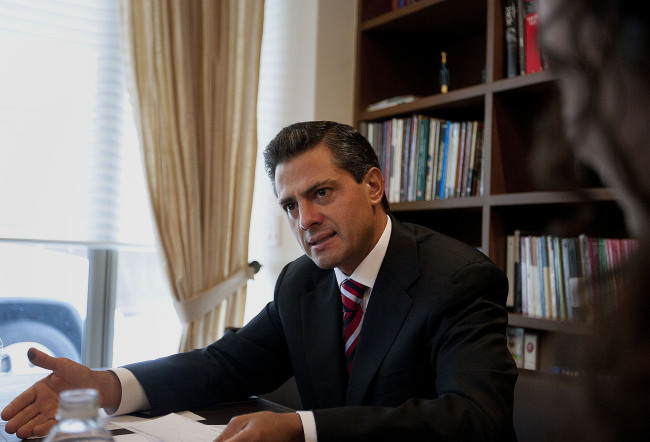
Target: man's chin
{"x": 323, "y": 262}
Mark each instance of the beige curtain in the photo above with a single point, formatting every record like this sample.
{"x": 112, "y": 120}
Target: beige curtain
{"x": 195, "y": 69}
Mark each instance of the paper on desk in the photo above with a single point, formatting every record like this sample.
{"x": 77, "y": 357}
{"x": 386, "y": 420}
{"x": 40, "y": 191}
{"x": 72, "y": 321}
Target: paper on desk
{"x": 134, "y": 437}
{"x": 115, "y": 422}
{"x": 173, "y": 428}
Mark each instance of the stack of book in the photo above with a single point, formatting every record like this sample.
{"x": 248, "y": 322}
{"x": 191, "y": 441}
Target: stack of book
{"x": 523, "y": 345}
{"x": 551, "y": 277}
{"x": 521, "y": 21}
{"x": 426, "y": 158}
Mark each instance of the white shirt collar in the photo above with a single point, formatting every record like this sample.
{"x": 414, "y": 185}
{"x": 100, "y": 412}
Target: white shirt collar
{"x": 366, "y": 272}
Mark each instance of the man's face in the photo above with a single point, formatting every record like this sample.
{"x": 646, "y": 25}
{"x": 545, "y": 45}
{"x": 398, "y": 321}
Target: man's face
{"x": 336, "y": 220}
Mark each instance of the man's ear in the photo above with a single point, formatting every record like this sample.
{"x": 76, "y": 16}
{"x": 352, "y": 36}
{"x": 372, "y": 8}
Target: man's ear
{"x": 374, "y": 179}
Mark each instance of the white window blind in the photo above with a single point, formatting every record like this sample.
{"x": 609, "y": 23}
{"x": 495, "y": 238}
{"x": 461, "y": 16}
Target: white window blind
{"x": 69, "y": 163}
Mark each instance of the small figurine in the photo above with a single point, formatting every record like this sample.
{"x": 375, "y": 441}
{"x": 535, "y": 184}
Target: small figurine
{"x": 444, "y": 74}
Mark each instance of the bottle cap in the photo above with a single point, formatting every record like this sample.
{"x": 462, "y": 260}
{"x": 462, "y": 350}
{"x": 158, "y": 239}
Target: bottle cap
{"x": 79, "y": 404}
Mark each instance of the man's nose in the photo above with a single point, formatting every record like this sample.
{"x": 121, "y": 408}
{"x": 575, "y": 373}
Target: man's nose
{"x": 309, "y": 215}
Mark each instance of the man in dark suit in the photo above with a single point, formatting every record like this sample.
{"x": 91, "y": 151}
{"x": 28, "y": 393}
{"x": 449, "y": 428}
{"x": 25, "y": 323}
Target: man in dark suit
{"x": 420, "y": 354}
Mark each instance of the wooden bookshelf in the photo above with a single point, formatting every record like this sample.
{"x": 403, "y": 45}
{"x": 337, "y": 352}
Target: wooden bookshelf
{"x": 398, "y": 53}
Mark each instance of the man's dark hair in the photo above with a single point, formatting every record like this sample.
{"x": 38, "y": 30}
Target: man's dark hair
{"x": 351, "y": 151}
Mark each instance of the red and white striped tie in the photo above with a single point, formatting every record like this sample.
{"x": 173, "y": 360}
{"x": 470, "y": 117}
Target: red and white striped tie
{"x": 351, "y": 294}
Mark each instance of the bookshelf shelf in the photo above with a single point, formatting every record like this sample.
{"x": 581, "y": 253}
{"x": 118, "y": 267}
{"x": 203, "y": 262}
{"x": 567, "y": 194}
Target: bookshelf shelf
{"x": 423, "y": 15}
{"x": 450, "y": 203}
{"x": 398, "y": 53}
{"x": 522, "y": 81}
{"x": 549, "y": 325}
{"x": 542, "y": 197}
{"x": 464, "y": 98}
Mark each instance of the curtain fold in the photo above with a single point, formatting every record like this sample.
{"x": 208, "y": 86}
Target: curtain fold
{"x": 195, "y": 70}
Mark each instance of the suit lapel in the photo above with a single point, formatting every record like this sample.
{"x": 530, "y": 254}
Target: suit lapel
{"x": 388, "y": 307}
{"x": 323, "y": 338}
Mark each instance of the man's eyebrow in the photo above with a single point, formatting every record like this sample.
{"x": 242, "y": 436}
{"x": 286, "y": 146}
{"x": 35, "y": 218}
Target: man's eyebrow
{"x": 284, "y": 201}
{"x": 306, "y": 192}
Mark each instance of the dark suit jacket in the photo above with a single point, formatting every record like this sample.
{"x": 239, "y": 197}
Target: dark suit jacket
{"x": 431, "y": 362}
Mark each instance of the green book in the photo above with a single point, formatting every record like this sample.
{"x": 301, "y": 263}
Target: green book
{"x": 422, "y": 157}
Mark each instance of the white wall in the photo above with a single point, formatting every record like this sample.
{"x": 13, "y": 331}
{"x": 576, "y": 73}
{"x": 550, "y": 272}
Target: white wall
{"x": 336, "y": 44}
{"x": 307, "y": 73}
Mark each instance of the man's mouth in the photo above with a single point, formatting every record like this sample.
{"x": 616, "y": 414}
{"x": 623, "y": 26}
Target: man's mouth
{"x": 321, "y": 240}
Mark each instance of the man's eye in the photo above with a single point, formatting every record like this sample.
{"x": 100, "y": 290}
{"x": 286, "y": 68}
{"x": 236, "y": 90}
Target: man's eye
{"x": 289, "y": 207}
{"x": 322, "y": 192}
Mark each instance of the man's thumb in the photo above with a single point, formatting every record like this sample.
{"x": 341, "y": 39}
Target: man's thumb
{"x": 41, "y": 359}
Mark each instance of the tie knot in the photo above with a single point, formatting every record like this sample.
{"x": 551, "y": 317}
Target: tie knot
{"x": 351, "y": 293}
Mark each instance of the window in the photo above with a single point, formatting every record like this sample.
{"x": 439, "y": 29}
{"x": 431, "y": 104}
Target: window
{"x": 43, "y": 304}
{"x": 76, "y": 235}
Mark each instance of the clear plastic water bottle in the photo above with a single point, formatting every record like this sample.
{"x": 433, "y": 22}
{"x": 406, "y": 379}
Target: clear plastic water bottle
{"x": 78, "y": 418}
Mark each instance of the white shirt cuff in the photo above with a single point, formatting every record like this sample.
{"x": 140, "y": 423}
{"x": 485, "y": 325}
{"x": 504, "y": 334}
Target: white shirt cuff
{"x": 133, "y": 395}
{"x": 308, "y": 425}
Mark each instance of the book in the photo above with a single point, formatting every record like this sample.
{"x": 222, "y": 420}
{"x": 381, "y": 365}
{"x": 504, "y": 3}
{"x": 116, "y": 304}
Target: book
{"x": 533, "y": 56}
{"x": 462, "y": 191}
{"x": 510, "y": 270}
{"x": 546, "y": 302}
{"x": 524, "y": 270}
{"x": 515, "y": 339}
{"x": 585, "y": 293}
{"x": 432, "y": 169}
{"x": 590, "y": 273}
{"x": 511, "y": 38}
{"x": 517, "y": 269}
{"x": 477, "y": 182}
{"x": 460, "y": 160}
{"x": 406, "y": 160}
{"x": 532, "y": 286}
{"x": 452, "y": 159}
{"x": 412, "y": 148}
{"x": 397, "y": 133}
{"x": 422, "y": 157}
{"x": 552, "y": 283}
{"x": 521, "y": 36}
{"x": 469, "y": 169}
{"x": 531, "y": 350}
{"x": 536, "y": 282}
{"x": 559, "y": 278}
{"x": 606, "y": 295}
{"x": 577, "y": 307}
{"x": 389, "y": 102}
{"x": 444, "y": 154}
{"x": 617, "y": 256}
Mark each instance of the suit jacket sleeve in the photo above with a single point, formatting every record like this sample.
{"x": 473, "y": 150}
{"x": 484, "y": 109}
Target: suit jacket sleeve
{"x": 253, "y": 361}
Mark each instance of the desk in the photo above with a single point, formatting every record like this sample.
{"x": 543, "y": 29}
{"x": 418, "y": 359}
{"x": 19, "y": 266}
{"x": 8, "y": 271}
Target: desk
{"x": 220, "y": 414}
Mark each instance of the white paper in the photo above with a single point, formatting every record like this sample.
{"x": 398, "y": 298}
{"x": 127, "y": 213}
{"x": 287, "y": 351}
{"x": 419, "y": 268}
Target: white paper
{"x": 172, "y": 428}
{"x": 114, "y": 422}
{"x": 135, "y": 437}
{"x": 131, "y": 438}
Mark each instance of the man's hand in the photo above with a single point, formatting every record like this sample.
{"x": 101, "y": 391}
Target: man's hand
{"x": 264, "y": 426}
{"x": 32, "y": 413}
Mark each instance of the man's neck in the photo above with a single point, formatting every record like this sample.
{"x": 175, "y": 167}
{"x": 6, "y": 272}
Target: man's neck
{"x": 366, "y": 272}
